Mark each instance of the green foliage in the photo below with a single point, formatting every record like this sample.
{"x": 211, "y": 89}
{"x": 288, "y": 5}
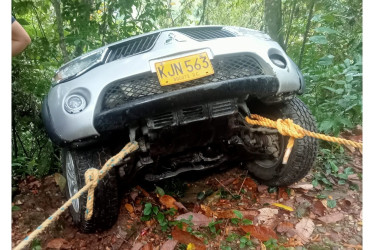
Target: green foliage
{"x": 272, "y": 190}
{"x": 36, "y": 245}
{"x": 15, "y": 208}
{"x": 239, "y": 219}
{"x": 232, "y": 237}
{"x": 179, "y": 223}
{"x": 245, "y": 242}
{"x": 272, "y": 244}
{"x": 332, "y": 167}
{"x": 212, "y": 227}
{"x": 160, "y": 191}
{"x": 150, "y": 211}
{"x": 203, "y": 194}
{"x": 331, "y": 203}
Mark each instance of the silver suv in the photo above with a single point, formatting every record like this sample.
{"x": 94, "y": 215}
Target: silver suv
{"x": 182, "y": 94}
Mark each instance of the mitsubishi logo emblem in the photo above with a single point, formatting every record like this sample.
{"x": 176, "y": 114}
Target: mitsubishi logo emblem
{"x": 172, "y": 37}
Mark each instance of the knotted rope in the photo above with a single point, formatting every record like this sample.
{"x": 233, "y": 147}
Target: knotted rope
{"x": 92, "y": 177}
{"x": 287, "y": 127}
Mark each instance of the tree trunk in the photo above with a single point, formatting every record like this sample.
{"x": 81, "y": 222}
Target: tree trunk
{"x": 307, "y": 28}
{"x": 56, "y": 5}
{"x": 273, "y": 20}
{"x": 203, "y": 14}
{"x": 290, "y": 24}
{"x": 15, "y": 146}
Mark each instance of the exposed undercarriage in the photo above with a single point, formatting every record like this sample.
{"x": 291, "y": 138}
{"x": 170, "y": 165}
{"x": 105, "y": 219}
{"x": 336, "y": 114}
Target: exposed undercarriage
{"x": 200, "y": 138}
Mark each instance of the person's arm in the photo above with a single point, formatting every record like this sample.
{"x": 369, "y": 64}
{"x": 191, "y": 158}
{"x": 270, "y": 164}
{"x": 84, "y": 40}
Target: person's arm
{"x": 20, "y": 38}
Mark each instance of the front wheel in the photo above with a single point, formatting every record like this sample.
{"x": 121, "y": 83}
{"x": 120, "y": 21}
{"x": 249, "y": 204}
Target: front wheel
{"x": 106, "y": 203}
{"x": 271, "y": 171}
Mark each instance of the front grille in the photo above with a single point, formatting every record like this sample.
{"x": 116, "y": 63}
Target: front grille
{"x": 222, "y": 108}
{"x": 193, "y": 114}
{"x": 205, "y": 33}
{"x": 163, "y": 120}
{"x": 225, "y": 68}
{"x": 132, "y": 47}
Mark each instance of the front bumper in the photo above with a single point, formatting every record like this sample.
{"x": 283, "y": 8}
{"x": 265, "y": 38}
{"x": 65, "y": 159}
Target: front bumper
{"x": 94, "y": 85}
{"x": 120, "y": 117}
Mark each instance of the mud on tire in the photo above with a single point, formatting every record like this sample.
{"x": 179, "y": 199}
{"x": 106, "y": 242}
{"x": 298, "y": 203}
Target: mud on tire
{"x": 106, "y": 203}
{"x": 303, "y": 153}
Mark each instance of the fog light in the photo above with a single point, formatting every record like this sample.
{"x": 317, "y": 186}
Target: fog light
{"x": 278, "y": 60}
{"x": 75, "y": 104}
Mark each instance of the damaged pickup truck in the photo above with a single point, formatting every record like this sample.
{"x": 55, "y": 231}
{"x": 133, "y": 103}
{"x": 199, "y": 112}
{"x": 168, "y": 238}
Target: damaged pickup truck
{"x": 182, "y": 94}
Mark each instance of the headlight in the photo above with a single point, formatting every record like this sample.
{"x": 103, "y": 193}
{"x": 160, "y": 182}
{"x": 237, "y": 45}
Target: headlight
{"x": 78, "y": 66}
{"x": 239, "y": 31}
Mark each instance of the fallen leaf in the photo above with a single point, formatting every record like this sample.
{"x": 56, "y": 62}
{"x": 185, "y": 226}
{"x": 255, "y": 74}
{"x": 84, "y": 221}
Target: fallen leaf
{"x": 331, "y": 218}
{"x": 59, "y": 243}
{"x": 282, "y": 194}
{"x": 316, "y": 238}
{"x": 267, "y": 215}
{"x": 229, "y": 181}
{"x": 318, "y": 208}
{"x": 149, "y": 246}
{"x": 305, "y": 229}
{"x": 60, "y": 181}
{"x": 260, "y": 232}
{"x": 191, "y": 246}
{"x": 352, "y": 246}
{"x": 137, "y": 246}
{"x": 262, "y": 188}
{"x": 208, "y": 212}
{"x": 186, "y": 238}
{"x": 145, "y": 193}
{"x": 353, "y": 177}
{"x": 34, "y": 184}
{"x": 169, "y": 245}
{"x": 324, "y": 203}
{"x": 284, "y": 227}
{"x": 250, "y": 184}
{"x": 180, "y": 206}
{"x": 199, "y": 220}
{"x": 228, "y": 214}
{"x": 168, "y": 201}
{"x": 334, "y": 236}
{"x": 305, "y": 186}
{"x": 293, "y": 242}
{"x": 134, "y": 194}
{"x": 263, "y": 247}
{"x": 249, "y": 214}
{"x": 129, "y": 208}
{"x": 283, "y": 206}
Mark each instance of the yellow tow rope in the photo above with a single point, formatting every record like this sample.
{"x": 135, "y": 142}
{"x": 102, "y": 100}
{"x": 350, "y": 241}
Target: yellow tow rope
{"x": 287, "y": 127}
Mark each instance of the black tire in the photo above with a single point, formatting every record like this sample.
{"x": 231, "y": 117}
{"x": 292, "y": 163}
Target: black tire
{"x": 106, "y": 201}
{"x": 303, "y": 153}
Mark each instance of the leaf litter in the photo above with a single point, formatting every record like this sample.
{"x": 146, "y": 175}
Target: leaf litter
{"x": 238, "y": 206}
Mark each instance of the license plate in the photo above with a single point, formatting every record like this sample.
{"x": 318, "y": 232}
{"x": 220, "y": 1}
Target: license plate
{"x": 184, "y": 69}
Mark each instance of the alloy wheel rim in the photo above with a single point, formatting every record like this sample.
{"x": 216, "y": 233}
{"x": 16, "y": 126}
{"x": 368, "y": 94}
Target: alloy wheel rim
{"x": 72, "y": 180}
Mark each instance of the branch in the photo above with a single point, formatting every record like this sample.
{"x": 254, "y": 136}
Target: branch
{"x": 23, "y": 147}
{"x": 56, "y": 5}
{"x": 306, "y": 32}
